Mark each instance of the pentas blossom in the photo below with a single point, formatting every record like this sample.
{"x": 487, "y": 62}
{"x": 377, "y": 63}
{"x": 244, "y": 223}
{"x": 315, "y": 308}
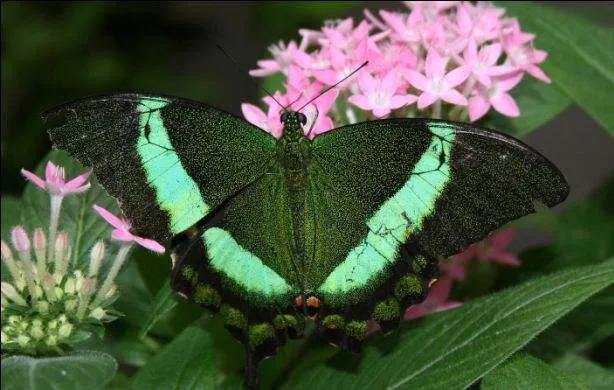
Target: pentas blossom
{"x": 121, "y": 231}
{"x": 55, "y": 181}
{"x": 51, "y": 298}
{"x": 460, "y": 59}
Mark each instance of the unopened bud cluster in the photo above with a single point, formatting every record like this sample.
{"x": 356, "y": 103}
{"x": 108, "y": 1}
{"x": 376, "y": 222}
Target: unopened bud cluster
{"x": 49, "y": 301}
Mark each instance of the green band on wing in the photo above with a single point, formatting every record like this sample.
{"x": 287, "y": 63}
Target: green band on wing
{"x": 397, "y": 218}
{"x": 241, "y": 266}
{"x": 176, "y": 192}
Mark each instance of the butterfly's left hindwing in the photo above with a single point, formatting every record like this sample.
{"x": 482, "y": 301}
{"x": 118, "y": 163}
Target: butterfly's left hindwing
{"x": 392, "y": 197}
{"x": 169, "y": 161}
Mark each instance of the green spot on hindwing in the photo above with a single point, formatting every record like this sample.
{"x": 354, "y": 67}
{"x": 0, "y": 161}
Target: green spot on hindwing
{"x": 176, "y": 191}
{"x": 397, "y": 219}
{"x": 241, "y": 266}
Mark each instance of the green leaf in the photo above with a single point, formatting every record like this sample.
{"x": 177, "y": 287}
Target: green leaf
{"x": 583, "y": 233}
{"x": 79, "y": 370}
{"x": 580, "y": 61}
{"x": 587, "y": 325}
{"x": 163, "y": 303}
{"x": 594, "y": 375}
{"x": 538, "y": 103}
{"x": 527, "y": 372}
{"x": 10, "y": 214}
{"x": 455, "y": 348}
{"x": 77, "y": 218}
{"x": 188, "y": 362}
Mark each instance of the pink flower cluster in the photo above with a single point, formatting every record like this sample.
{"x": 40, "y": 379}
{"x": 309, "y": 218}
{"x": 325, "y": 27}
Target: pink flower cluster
{"x": 445, "y": 59}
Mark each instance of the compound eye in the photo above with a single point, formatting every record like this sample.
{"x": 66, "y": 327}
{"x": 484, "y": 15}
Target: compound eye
{"x": 284, "y": 117}
{"x": 302, "y": 118}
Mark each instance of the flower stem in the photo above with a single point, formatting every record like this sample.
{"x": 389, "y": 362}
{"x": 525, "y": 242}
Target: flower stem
{"x": 437, "y": 109}
{"x": 54, "y": 218}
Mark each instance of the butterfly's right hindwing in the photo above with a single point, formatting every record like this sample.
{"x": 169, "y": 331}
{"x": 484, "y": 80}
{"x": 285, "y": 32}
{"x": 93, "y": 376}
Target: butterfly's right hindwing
{"x": 169, "y": 161}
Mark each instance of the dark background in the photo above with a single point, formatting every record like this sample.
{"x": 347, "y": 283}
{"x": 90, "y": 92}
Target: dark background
{"x": 52, "y": 53}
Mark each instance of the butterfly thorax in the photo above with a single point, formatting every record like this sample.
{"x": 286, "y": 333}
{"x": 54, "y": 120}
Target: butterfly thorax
{"x": 293, "y": 157}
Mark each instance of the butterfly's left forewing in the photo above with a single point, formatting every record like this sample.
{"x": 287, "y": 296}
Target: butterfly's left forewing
{"x": 392, "y": 197}
{"x": 169, "y": 161}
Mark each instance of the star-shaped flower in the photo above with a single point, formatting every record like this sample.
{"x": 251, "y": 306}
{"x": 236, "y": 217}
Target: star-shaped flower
{"x": 122, "y": 231}
{"x": 380, "y": 95}
{"x": 435, "y": 83}
{"x": 55, "y": 181}
{"x": 495, "y": 96}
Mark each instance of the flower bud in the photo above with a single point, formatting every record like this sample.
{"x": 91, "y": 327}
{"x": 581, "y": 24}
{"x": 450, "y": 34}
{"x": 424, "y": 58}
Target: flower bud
{"x": 65, "y": 330}
{"x": 7, "y": 258}
{"x": 53, "y": 324}
{"x": 59, "y": 293}
{"x": 42, "y": 307}
{"x": 69, "y": 286}
{"x": 20, "y": 239}
{"x": 98, "y": 313}
{"x": 14, "y": 319}
{"x": 37, "y": 332}
{"x": 70, "y": 305}
{"x": 40, "y": 246}
{"x": 51, "y": 341}
{"x": 23, "y": 340}
{"x": 96, "y": 257}
{"x": 9, "y": 291}
{"x": 4, "y": 338}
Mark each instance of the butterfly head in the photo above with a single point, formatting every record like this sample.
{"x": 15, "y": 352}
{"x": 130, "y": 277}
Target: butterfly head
{"x": 293, "y": 123}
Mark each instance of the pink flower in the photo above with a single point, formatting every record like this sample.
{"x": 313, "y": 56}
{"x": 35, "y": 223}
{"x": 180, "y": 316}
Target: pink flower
{"x": 55, "y": 182}
{"x": 341, "y": 65}
{"x": 479, "y": 23}
{"x": 283, "y": 57}
{"x": 436, "y": 84}
{"x": 268, "y": 121}
{"x": 122, "y": 231}
{"x": 483, "y": 63}
{"x": 495, "y": 96}
{"x": 405, "y": 28}
{"x": 436, "y": 301}
{"x": 493, "y": 249}
{"x": 521, "y": 54}
{"x": 380, "y": 96}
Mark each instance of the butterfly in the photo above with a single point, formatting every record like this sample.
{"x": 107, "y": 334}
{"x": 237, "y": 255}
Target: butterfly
{"x": 343, "y": 228}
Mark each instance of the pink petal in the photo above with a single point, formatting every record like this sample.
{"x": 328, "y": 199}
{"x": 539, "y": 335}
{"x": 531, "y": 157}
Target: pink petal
{"x": 491, "y": 53}
{"x": 539, "y": 74}
{"x": 483, "y": 79}
{"x": 454, "y": 97}
{"x": 471, "y": 52}
{"x": 398, "y": 101}
{"x": 152, "y": 245}
{"x": 394, "y": 20}
{"x": 51, "y": 171}
{"x": 506, "y": 258}
{"x": 110, "y": 218}
{"x": 367, "y": 83}
{"x": 328, "y": 77}
{"x": 502, "y": 238}
{"x": 81, "y": 189}
{"x": 254, "y": 115}
{"x": 539, "y": 56}
{"x": 361, "y": 101}
{"x": 122, "y": 235}
{"x": 505, "y": 104}
{"x": 37, "y": 181}
{"x": 435, "y": 64}
{"x": 381, "y": 112}
{"x": 505, "y": 83}
{"x": 415, "y": 311}
{"x": 416, "y": 79}
{"x": 271, "y": 65}
{"x": 390, "y": 83}
{"x": 426, "y": 99}
{"x": 77, "y": 182}
{"x": 478, "y": 107}
{"x": 457, "y": 76}
{"x": 463, "y": 19}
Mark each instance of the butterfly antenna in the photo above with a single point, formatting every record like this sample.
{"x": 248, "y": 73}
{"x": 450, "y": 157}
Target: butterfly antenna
{"x": 243, "y": 71}
{"x": 334, "y": 86}
{"x": 294, "y": 101}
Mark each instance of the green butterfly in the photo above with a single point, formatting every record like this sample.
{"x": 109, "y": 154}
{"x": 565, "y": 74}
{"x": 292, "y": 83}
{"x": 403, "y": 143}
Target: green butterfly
{"x": 344, "y": 228}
